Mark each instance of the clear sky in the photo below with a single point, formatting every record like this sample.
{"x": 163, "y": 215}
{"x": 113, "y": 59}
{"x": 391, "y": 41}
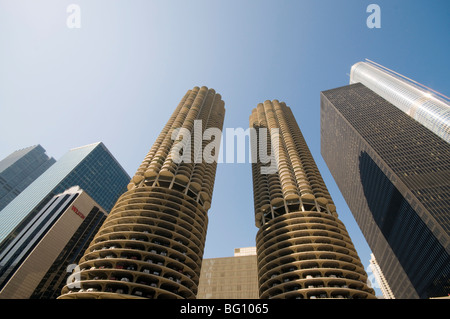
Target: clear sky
{"x": 118, "y": 77}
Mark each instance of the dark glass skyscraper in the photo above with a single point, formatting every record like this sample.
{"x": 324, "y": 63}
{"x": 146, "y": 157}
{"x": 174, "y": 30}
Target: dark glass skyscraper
{"x": 20, "y": 169}
{"x": 394, "y": 174}
{"x": 91, "y": 167}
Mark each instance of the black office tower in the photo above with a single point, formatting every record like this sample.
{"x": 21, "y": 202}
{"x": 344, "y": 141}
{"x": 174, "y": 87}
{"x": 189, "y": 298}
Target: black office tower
{"x": 394, "y": 174}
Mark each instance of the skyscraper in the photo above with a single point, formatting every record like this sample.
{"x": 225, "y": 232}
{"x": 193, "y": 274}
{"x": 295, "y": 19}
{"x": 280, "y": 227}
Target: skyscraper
{"x": 421, "y": 103}
{"x": 151, "y": 244}
{"x": 91, "y": 167}
{"x": 303, "y": 249}
{"x": 34, "y": 264}
{"x": 380, "y": 279}
{"x": 20, "y": 169}
{"x": 394, "y": 174}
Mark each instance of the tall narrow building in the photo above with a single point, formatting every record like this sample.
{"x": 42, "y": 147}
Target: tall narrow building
{"x": 151, "y": 244}
{"x": 303, "y": 249}
{"x": 380, "y": 279}
{"x": 394, "y": 174}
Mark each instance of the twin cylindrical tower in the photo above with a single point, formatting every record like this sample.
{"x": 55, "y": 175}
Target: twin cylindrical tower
{"x": 304, "y": 250}
{"x": 151, "y": 244}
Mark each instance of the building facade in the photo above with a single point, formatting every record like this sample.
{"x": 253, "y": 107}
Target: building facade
{"x": 304, "y": 250}
{"x": 34, "y": 265}
{"x": 380, "y": 279}
{"x": 426, "y": 106}
{"x": 151, "y": 244}
{"x": 394, "y": 174}
{"x": 20, "y": 169}
{"x": 230, "y": 277}
{"x": 91, "y": 167}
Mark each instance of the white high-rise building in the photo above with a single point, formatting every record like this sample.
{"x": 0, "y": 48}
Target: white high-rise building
{"x": 381, "y": 280}
{"x": 423, "y": 104}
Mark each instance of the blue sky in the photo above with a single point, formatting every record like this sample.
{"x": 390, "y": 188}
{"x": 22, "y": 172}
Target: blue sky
{"x": 118, "y": 78}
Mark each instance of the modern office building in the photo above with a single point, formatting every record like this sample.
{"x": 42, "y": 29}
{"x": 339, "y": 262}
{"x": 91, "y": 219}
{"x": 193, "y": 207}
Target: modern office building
{"x": 394, "y": 174}
{"x": 304, "y": 250}
{"x": 151, "y": 244}
{"x": 230, "y": 277}
{"x": 426, "y": 106}
{"x": 34, "y": 265}
{"x": 91, "y": 167}
{"x": 20, "y": 169}
{"x": 380, "y": 278}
